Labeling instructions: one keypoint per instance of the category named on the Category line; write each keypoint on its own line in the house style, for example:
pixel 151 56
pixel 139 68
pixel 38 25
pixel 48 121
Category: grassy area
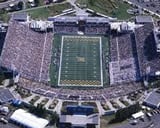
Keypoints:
pixel 89 104
pixel 41 2
pixel 4 16
pixel 113 8
pixel 80 63
pixel 65 104
pixel 84 67
pixel 32 101
pixel 53 104
pixel 114 104
pixel 93 104
pixel 45 12
pixel 22 92
pixel 134 96
pixel 54 68
pixel 105 106
pixel 44 101
pixel 124 102
pixel 121 11
pixel 104 120
pixel 81 2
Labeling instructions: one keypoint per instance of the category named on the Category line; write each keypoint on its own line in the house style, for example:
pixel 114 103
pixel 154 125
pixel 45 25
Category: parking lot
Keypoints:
pixel 7 125
pixel 152 6
pixel 146 122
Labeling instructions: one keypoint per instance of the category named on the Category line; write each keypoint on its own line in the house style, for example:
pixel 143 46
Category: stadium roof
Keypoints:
pixel 77 18
pixel 27 119
pixel 144 19
pixel 42 25
pixel 153 99
pixel 79 119
pixel 5 95
pixel 20 16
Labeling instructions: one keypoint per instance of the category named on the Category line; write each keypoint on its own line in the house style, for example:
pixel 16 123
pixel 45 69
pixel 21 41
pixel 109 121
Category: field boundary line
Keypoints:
pixel 59 76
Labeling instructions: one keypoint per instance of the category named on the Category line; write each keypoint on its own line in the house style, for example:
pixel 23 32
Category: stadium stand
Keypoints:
pixel 2 39
pixel 87 25
pixel 146 48
pixel 84 94
pixel 28 51
pixel 122 66
pixel 5 96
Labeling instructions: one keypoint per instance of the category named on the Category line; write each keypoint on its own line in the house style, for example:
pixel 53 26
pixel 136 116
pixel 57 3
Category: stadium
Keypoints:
pixel 75 51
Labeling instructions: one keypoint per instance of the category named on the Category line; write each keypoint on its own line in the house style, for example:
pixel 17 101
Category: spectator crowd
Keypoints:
pixel 27 51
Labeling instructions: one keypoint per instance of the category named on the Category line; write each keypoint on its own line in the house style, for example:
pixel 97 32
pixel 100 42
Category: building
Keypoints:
pixel 6 96
pixel 41 26
pixel 21 17
pixel 28 120
pixel 79 117
pixel 87 25
pixel 153 99
pixel 79 121
pixel 144 19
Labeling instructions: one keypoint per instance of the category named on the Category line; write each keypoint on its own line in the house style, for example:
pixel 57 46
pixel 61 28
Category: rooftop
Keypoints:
pixel 153 98
pixel 5 95
pixel 144 19
pixel 27 119
pixel 20 16
pixel 77 18
pixel 79 119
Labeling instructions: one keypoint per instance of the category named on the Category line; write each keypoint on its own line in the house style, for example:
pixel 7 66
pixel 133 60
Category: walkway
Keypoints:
pixel 79 11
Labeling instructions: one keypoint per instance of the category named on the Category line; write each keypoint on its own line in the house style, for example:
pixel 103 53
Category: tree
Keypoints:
pixel 124 113
pixel 54 118
pixel 91 2
pixel 150 47
pixel 20 5
pixel 39 110
pixel 2 77
pixel 36 2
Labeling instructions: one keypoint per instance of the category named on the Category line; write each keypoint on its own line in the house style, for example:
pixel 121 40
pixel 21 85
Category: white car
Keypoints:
pixel 3 120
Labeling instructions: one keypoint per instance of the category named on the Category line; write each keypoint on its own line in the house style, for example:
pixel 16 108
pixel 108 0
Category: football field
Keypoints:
pixel 80 61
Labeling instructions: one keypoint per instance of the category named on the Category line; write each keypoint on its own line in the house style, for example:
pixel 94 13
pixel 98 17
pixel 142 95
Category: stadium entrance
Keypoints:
pixel 81 25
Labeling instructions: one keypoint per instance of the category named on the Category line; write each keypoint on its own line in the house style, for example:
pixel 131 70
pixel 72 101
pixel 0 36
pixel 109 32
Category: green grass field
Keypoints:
pixel 80 61
pixel 45 12
pixel 80 56
pixel 113 8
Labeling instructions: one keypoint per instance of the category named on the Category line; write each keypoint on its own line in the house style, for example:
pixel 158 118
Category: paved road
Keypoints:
pixel 79 11
pixel 153 123
pixel 29 9
pixel 5 4
pixel 9 125
pixel 151 9
pixel 153 6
